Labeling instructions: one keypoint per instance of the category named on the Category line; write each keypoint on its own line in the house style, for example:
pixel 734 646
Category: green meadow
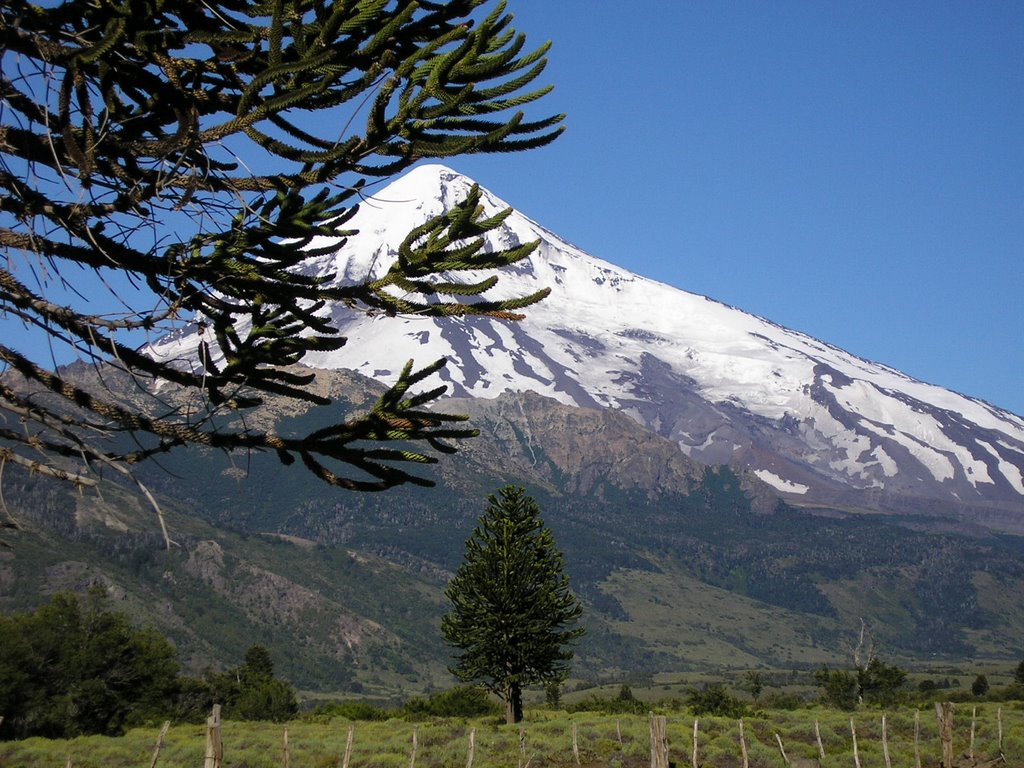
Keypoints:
pixel 546 738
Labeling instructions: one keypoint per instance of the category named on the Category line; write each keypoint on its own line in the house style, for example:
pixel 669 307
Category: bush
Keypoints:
pixel 879 682
pixel 624 703
pixel 1014 692
pixel 781 700
pixel 265 699
pixel 840 687
pixel 980 685
pixel 715 700
pixel 460 701
pixel 252 692
pixel 73 668
pixel 349 710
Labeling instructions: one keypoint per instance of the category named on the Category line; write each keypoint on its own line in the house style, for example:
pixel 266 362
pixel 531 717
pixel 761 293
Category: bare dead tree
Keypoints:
pixel 863 653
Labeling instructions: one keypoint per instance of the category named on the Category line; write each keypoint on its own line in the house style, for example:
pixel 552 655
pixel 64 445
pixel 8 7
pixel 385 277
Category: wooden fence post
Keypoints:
pixel 817 737
pixel 856 754
pixel 917 738
pixel 782 750
pixel 472 747
pixel 522 747
pixel 412 759
pixel 575 746
pixel 693 762
pixel 214 745
pixel 284 749
pixel 944 714
pixel 885 744
pixel 974 723
pixel 159 743
pixel 348 746
pixel 998 721
pixel 743 747
pixel 659 741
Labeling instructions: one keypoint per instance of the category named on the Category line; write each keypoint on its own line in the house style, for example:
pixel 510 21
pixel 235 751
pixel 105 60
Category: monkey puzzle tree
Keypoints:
pixel 512 612
pixel 165 163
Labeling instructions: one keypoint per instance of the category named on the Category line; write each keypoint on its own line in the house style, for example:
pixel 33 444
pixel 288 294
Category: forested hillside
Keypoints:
pixel 679 567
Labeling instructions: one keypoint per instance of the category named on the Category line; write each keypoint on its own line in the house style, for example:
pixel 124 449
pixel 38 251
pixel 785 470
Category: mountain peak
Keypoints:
pixel 815 422
pixel 424 182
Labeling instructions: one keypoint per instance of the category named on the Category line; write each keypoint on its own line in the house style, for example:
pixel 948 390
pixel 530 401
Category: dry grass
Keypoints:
pixel 543 741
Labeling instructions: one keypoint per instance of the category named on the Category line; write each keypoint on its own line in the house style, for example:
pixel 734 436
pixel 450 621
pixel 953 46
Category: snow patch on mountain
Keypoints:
pixel 779 484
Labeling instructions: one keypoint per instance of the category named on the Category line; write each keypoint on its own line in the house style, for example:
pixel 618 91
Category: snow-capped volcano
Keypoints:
pixel 815 422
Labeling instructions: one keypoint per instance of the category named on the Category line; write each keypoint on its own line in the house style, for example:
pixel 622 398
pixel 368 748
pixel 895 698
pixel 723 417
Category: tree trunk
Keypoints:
pixel 513 703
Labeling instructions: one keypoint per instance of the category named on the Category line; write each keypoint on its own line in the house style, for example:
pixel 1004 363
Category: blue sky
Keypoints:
pixel 852 170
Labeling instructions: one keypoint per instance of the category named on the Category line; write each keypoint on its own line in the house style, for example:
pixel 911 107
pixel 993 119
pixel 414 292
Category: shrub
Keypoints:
pixel 460 701
pixel 781 700
pixel 879 682
pixel 349 710
pixel 840 687
pixel 980 685
pixel 252 692
pixel 714 699
pixel 76 667
pixel 620 705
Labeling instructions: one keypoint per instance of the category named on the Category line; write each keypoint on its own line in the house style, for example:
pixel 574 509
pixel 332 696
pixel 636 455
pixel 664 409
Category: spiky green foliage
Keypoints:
pixel 513 613
pixel 184 156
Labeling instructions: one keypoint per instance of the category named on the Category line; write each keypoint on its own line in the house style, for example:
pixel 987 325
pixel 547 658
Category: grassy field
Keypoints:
pixel 703 626
pixel 545 739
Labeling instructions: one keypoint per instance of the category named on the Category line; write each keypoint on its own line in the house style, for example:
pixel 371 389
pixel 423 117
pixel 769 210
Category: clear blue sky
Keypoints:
pixel 853 170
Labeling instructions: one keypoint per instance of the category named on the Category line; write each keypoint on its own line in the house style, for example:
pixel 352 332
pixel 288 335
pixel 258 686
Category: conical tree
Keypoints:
pixel 513 613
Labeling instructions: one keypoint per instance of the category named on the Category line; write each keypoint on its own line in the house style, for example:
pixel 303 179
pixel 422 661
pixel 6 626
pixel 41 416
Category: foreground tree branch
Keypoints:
pixel 171 163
